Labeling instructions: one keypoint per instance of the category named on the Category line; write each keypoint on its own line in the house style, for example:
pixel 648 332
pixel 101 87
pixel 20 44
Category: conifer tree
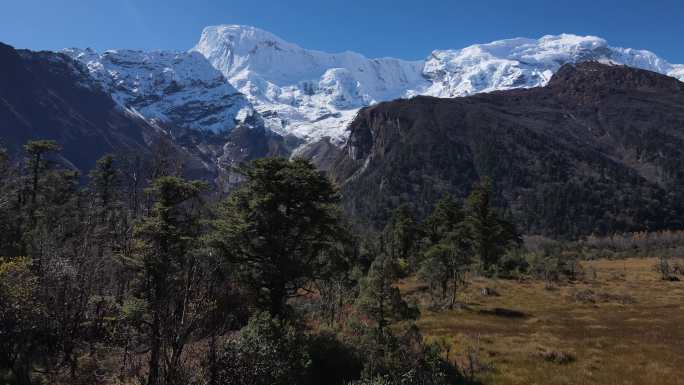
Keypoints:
pixel 489 234
pixel 378 299
pixel 279 229
pixel 402 235
pixel 171 278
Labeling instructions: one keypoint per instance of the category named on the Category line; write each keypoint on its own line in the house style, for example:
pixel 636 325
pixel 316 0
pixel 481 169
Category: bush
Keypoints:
pixel 557 357
pixel 267 351
pixel 403 358
pixel 513 263
pixel 663 268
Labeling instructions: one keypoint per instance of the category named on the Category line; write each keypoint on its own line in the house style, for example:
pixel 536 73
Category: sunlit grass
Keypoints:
pixel 629 330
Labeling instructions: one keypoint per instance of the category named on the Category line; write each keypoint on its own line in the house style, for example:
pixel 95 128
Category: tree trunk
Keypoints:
pixel 155 351
pixel 277 300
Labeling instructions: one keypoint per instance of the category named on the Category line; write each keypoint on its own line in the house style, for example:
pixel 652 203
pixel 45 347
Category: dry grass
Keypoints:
pixel 626 327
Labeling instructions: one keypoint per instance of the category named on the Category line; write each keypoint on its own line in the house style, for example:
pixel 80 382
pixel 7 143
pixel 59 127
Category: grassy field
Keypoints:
pixel 621 325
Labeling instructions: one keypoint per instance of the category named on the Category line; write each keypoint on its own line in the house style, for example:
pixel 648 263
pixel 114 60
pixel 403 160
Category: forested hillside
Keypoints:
pixel 599 150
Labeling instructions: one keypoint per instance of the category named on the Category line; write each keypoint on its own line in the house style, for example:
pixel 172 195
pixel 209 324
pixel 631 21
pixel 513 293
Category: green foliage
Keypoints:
pixel 37 152
pixel 404 358
pixel 402 233
pixel 105 181
pixel 127 288
pixel 173 276
pixel 23 335
pixel 446 265
pixel 268 351
pixel 280 230
pixel 490 235
pixel 379 300
pixel 445 219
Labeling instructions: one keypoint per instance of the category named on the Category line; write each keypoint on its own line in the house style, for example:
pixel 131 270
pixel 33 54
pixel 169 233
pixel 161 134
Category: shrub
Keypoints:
pixel 268 351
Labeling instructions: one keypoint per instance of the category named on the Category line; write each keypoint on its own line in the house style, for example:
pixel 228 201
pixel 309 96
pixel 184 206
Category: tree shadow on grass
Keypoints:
pixel 501 312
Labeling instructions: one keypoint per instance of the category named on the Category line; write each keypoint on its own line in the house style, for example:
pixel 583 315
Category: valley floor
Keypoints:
pixel 620 325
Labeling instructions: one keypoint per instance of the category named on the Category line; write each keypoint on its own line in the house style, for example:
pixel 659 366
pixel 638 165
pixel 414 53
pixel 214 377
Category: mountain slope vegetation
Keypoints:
pixel 598 150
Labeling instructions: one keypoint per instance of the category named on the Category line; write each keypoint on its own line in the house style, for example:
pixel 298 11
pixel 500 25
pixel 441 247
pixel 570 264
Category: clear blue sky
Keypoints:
pixel 399 28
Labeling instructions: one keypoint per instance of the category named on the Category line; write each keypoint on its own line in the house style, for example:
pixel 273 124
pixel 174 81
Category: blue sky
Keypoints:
pixel 399 28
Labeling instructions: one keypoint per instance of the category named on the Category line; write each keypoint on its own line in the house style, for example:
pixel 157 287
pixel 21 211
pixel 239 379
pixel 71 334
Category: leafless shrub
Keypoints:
pixel 557 357
pixel 663 268
pixel 473 363
pixel 590 296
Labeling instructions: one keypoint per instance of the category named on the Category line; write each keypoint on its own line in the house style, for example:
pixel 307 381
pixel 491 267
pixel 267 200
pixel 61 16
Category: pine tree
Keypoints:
pixel 378 299
pixel 444 219
pixel 37 162
pixel 402 234
pixel 105 182
pixel 279 229
pixel 446 264
pixel 171 278
pixel 489 234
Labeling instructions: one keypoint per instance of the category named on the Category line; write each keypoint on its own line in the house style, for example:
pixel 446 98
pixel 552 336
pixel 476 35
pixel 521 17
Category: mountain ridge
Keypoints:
pixel 311 94
pixel 322 95
pixel 600 150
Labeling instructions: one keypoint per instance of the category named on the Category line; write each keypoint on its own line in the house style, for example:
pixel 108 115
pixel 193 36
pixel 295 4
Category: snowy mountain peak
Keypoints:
pixel 521 62
pixel 236 73
pixel 308 93
pixel 312 94
pixel 167 88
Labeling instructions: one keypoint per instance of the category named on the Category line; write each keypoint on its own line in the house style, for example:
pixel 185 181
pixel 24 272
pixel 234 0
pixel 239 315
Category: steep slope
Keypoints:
pixel 187 99
pixel 49 96
pixel 600 149
pixel 169 88
pixel 308 93
pixel 312 94
pixel 128 108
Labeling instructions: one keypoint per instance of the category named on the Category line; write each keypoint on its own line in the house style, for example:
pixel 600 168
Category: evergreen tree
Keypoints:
pixel 171 277
pixel 490 235
pixel 402 234
pixel 105 182
pixel 268 351
pixel 378 299
pixel 446 264
pixel 279 229
pixel 37 162
pixel 445 218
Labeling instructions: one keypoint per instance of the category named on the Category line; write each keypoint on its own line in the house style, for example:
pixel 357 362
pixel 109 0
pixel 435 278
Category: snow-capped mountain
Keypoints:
pixel 240 73
pixel 168 88
pixel 517 63
pixel 313 94
pixel 307 93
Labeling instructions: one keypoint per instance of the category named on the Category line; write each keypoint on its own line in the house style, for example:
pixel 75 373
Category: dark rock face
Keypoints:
pixel 322 153
pixel 48 96
pixel 244 144
pixel 599 150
